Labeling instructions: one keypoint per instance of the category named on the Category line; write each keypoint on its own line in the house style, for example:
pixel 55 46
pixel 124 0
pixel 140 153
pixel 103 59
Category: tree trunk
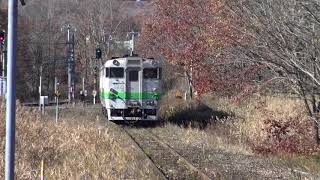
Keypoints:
pixel 311 113
pixel 189 78
pixel 316 128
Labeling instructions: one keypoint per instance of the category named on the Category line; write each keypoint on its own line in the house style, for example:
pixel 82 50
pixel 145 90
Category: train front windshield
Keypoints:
pixel 117 72
pixel 151 73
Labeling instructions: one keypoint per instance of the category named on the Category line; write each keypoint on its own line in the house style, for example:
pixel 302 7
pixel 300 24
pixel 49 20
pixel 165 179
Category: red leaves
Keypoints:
pixel 289 136
pixel 186 32
pixel 292 135
pixel 179 30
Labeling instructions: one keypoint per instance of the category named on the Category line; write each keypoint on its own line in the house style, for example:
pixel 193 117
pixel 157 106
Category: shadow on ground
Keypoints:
pixel 142 124
pixel 199 116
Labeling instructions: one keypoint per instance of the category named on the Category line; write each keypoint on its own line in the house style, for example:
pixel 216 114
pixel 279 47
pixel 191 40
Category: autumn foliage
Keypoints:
pixel 186 33
pixel 286 134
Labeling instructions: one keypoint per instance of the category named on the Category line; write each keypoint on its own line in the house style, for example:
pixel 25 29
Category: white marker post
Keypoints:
pixel 94 93
pixel 57 110
pixel 40 87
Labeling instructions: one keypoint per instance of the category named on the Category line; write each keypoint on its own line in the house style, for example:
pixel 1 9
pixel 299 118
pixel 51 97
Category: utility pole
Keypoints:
pixel 71 65
pixel 11 89
pixel 73 73
pixel 86 55
pixel 40 87
pixel 57 94
pixel 132 42
pixel 83 84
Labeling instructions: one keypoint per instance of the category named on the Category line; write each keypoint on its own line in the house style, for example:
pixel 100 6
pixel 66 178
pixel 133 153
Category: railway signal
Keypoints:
pixel 2 36
pixel 3 54
pixel 98 53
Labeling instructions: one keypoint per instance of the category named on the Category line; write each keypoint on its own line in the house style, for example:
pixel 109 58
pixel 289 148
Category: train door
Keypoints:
pixel 133 94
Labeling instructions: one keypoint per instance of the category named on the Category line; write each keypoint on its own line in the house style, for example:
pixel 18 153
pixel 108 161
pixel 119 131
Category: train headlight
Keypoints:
pixel 154 62
pixel 115 62
pixel 155 102
pixel 148 103
pixel 151 103
pixel 133 103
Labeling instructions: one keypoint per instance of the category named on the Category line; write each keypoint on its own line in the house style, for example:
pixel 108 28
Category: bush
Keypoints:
pixel 291 135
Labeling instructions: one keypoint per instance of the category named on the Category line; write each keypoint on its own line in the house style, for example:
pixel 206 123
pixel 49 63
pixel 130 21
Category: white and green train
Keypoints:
pixel 130 88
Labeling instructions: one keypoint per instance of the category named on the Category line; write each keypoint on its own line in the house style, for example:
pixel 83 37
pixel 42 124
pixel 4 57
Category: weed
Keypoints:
pixel 72 149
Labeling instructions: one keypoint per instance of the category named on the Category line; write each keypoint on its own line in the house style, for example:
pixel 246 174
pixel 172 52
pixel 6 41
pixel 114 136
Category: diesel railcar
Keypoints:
pixel 130 88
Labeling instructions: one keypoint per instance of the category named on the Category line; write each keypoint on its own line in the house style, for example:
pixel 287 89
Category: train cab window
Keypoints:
pixel 116 72
pixel 107 72
pixel 133 76
pixel 150 73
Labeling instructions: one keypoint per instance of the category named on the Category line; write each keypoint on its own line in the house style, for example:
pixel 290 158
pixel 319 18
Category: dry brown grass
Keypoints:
pixel 249 116
pixel 71 149
pixel 248 124
pixel 195 137
pixel 199 122
pixel 232 125
pixel 240 130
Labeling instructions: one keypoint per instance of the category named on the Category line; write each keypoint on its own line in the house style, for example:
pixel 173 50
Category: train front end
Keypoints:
pixel 130 89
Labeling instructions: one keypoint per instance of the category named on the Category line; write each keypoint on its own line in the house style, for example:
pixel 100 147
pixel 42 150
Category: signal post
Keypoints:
pixel 3 54
pixel 98 57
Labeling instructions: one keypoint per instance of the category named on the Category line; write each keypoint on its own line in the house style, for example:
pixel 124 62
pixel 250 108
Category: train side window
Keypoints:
pixel 107 72
pixel 133 76
pixel 116 72
pixel 150 73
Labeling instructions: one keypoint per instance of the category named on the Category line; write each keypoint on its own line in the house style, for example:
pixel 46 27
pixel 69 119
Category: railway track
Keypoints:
pixel 170 163
pixel 174 166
